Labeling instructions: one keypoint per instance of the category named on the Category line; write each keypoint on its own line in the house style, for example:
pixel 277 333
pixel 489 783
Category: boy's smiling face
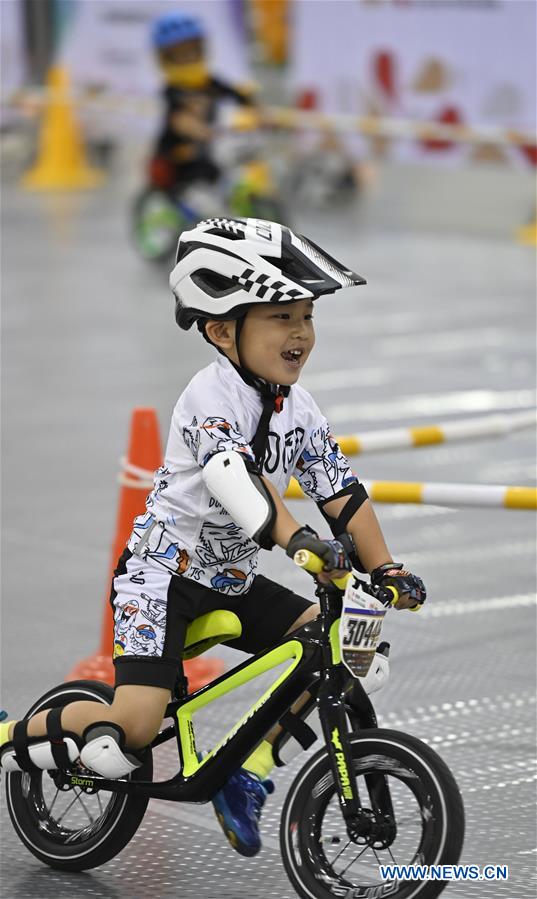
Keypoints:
pixel 275 340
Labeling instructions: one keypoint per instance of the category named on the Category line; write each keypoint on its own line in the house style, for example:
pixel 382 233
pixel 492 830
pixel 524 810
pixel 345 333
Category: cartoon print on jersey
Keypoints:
pixel 174 559
pixel 191 436
pixel 285 455
pixel 160 484
pixel 223 436
pixel 143 639
pixel 125 615
pixel 158 547
pixel 195 574
pixel 154 610
pixel 322 456
pixel 138 577
pixel 142 523
pixel 119 647
pixel 223 544
pixel 160 487
pixel 231 580
pixel 220 429
pixel 140 627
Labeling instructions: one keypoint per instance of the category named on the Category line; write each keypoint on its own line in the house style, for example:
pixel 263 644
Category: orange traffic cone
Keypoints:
pixel 145 454
pixel 61 162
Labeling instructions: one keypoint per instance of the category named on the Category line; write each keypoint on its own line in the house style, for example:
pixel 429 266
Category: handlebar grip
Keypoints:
pixel 395 598
pixel 304 559
pixel 312 563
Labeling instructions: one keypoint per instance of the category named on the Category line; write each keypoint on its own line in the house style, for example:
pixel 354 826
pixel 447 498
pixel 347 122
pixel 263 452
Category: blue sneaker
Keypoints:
pixel 238 808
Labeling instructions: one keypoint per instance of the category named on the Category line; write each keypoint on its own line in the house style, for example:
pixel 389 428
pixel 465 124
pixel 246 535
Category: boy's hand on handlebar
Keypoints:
pixel 331 552
pixel 410 588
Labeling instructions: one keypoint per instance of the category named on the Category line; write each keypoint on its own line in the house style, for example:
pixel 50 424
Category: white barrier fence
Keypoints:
pixel 32 100
pixel 426 435
pixel 394 491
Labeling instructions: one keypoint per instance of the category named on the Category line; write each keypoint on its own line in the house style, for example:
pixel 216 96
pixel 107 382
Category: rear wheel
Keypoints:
pixel 66 826
pixel 426 827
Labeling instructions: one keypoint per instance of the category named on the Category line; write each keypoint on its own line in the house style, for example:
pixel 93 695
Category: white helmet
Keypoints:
pixel 224 266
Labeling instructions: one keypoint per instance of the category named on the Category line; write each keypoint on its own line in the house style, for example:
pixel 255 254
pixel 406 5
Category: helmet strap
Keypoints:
pixel 272 398
pixel 272 395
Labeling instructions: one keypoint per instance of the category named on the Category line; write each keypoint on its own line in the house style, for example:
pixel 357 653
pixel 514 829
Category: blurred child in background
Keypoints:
pixel 191 94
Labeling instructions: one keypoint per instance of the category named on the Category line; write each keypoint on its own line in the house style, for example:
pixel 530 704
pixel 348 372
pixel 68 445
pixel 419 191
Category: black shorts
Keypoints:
pixel 153 607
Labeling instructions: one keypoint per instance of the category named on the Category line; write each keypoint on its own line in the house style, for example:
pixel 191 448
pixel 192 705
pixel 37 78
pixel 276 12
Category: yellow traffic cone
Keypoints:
pixel 61 160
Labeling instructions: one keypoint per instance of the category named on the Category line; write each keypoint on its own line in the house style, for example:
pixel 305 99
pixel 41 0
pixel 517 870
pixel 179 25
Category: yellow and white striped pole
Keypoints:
pixel 410 129
pixel 441 494
pixel 426 435
pixel 395 491
pixel 30 99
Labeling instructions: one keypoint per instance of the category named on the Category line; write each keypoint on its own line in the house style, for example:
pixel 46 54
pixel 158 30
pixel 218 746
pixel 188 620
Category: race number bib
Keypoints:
pixel 359 628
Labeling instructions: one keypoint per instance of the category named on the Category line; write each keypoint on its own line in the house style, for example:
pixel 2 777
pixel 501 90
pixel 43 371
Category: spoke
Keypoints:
pixel 91 820
pixel 76 799
pixel 66 810
pixel 355 859
pixel 334 860
pixel 53 801
pixel 375 853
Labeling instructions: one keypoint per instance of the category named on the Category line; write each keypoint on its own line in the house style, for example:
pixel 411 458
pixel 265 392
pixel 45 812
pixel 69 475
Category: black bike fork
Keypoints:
pixel 362 716
pixel 331 702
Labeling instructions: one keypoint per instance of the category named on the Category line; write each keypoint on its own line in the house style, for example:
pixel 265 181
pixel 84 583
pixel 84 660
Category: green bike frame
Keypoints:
pixel 313 657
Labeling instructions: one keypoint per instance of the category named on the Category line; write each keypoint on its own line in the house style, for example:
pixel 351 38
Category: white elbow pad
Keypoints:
pixel 243 494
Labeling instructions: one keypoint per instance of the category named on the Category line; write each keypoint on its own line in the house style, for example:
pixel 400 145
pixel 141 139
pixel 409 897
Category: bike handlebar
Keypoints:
pixel 307 560
pixel 312 563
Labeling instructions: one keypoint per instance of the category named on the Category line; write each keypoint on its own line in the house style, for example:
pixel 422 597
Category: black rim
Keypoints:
pixel 66 816
pixel 321 836
pixel 63 813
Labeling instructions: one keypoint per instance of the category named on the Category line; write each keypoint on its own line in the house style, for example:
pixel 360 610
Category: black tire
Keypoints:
pixel 156 225
pixel 312 824
pixel 90 843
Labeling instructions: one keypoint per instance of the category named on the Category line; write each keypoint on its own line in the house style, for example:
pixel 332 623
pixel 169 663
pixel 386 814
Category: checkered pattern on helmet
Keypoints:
pixel 266 288
pixel 226 225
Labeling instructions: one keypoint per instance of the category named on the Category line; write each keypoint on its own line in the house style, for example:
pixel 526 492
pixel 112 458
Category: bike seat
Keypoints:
pixel 208 630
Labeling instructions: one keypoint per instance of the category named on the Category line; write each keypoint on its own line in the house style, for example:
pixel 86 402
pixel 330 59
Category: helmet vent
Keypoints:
pixel 215 284
pixel 229 235
pixel 292 267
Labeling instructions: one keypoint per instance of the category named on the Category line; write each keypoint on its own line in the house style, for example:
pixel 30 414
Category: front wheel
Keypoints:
pixel 65 826
pixel 157 221
pixel 427 826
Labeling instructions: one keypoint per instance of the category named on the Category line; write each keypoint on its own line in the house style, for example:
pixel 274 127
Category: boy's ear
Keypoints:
pixel 222 334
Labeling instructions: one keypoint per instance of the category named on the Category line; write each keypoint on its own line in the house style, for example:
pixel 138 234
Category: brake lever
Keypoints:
pixel 388 596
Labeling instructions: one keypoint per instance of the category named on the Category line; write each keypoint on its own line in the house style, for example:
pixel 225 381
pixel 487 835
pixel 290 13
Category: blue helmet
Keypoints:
pixel 174 28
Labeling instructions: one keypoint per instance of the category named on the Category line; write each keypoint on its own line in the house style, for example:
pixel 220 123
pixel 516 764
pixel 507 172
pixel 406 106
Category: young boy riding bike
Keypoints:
pixel 241 428
pixel 182 154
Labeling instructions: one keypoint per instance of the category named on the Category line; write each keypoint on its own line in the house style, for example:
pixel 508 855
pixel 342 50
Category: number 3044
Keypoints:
pixel 362 634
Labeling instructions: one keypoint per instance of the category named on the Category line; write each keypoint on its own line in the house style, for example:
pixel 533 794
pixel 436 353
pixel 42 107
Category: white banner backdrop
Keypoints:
pixel 456 61
pixel 106 45
pixel 12 49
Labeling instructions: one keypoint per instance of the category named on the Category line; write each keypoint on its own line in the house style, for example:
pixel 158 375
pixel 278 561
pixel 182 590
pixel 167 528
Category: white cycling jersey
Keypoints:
pixel 185 529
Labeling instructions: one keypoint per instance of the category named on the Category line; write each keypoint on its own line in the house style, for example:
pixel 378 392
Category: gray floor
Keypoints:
pixel 445 329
